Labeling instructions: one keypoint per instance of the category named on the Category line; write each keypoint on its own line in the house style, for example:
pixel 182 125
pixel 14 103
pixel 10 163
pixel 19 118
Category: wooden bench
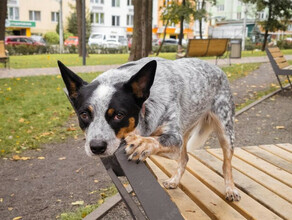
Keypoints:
pixel 279 64
pixel 206 47
pixel 263 175
pixel 4 58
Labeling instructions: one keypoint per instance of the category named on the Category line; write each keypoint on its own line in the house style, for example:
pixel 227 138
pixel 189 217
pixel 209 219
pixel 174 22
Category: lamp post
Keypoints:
pixel 61 40
pixel 83 34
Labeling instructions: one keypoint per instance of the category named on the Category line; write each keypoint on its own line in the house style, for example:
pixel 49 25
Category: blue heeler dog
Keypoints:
pixel 156 106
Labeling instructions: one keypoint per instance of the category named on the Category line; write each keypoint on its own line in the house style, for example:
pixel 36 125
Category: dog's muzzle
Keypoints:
pixel 97 147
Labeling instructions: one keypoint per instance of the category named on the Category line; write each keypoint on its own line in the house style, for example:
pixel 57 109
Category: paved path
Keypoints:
pixel 5 73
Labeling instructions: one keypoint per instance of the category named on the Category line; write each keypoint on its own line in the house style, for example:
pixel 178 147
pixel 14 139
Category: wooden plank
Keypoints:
pixel 269 157
pixel 187 207
pixel 278 152
pixel 281 60
pixel 247 206
pixel 269 199
pixel 264 166
pixel 210 202
pixel 274 49
pixel 277 54
pixel 269 182
pixel 286 146
pixel 283 65
pixel 147 189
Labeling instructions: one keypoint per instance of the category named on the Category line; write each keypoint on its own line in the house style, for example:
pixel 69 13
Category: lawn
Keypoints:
pixel 50 60
pixel 34 110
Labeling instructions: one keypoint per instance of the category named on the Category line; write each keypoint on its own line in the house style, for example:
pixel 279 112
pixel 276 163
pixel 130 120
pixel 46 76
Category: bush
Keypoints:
pixel 165 48
pixel 52 38
pixel 284 44
pixel 67 34
pixel 26 49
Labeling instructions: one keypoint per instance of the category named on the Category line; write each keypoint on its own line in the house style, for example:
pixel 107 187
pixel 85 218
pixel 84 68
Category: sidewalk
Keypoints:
pixel 9 73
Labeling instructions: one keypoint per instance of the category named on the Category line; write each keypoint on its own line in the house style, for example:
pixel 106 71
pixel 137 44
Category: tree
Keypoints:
pixel 181 33
pixel 279 13
pixel 3 13
pixel 142 33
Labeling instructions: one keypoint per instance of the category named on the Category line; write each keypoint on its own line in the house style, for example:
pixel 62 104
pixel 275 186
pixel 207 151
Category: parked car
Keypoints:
pixel 39 39
pixel 18 40
pixel 71 41
pixel 169 41
pixel 112 43
pixel 96 39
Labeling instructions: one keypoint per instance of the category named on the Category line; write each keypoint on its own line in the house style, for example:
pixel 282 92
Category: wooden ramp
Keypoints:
pixel 263 175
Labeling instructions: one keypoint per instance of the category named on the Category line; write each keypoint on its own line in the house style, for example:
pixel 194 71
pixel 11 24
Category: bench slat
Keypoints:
pixel 278 152
pixel 277 54
pixel 187 207
pixel 274 49
pixel 283 65
pixel 272 184
pixel 260 193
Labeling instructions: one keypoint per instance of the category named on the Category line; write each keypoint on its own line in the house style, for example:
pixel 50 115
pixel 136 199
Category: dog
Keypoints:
pixel 156 107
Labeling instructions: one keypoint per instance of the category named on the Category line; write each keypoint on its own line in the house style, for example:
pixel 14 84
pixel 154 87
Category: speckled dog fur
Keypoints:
pixel 188 100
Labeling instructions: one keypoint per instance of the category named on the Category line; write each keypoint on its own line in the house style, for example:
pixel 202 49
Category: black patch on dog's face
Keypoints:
pixel 123 112
pixel 83 109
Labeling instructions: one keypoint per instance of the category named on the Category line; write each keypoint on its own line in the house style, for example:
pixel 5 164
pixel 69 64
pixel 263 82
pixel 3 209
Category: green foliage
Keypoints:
pixel 52 38
pixel 283 44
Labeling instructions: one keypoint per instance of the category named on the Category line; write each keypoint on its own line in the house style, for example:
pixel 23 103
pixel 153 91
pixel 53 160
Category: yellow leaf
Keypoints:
pixel 17 218
pixel 96 181
pixel 71 129
pixel 9 89
pixel 59 76
pixel 100 201
pixel 15 157
pixel 78 203
pixel 1 200
pixel 10 208
pixel 62 158
pixel 280 127
pixel 18 78
pixel 41 158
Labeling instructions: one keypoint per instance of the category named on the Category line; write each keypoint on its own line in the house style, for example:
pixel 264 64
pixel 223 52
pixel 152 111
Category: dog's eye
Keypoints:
pixel 119 116
pixel 84 116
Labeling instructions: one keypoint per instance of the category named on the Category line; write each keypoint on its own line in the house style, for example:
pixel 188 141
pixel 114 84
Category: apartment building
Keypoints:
pixel 26 17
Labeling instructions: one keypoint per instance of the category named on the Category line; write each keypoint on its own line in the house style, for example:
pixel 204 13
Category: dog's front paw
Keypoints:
pixel 139 148
pixel 232 194
pixel 171 183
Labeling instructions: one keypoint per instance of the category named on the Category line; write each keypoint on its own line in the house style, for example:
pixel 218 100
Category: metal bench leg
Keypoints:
pixel 289 81
pixel 280 82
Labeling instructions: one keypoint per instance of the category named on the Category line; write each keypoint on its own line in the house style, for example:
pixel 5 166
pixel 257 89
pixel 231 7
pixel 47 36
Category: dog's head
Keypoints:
pixel 107 113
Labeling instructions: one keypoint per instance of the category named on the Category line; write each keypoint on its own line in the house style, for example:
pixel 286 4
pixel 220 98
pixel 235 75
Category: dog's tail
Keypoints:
pixel 200 133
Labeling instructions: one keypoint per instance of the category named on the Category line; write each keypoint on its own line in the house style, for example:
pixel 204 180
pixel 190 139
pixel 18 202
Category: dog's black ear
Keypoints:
pixel 72 81
pixel 140 83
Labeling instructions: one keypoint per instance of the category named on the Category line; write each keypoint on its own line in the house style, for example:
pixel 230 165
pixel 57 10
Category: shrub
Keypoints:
pixel 165 48
pixel 52 38
pixel 284 44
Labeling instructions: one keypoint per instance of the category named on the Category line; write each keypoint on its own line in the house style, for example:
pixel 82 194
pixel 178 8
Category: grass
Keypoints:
pixel 34 110
pixel 83 211
pixel 50 60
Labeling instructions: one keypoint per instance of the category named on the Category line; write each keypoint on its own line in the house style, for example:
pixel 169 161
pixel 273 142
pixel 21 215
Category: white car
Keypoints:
pixel 112 43
pixel 96 39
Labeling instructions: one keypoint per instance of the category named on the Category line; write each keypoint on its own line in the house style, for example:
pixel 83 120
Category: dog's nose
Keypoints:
pixel 97 147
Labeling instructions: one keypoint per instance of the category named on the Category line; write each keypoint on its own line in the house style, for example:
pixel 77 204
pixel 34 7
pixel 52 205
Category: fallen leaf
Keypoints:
pixel 77 171
pixel 78 203
pixel 62 158
pixel 15 157
pixel 21 120
pixel 17 218
pixel 100 201
pixel 71 129
pixel 1 200
pixel 280 127
pixel 96 181
pixel 95 191
pixel 103 195
pixel 41 158
pixel 10 208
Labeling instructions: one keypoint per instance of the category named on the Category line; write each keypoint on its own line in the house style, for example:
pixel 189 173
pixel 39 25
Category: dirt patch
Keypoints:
pixel 45 186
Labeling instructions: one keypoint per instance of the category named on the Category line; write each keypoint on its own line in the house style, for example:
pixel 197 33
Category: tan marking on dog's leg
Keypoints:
pixel 230 192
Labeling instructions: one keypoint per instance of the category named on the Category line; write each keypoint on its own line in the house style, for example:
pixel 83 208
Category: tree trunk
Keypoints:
pixel 3 12
pixel 144 21
pixel 164 34
pixel 201 20
pixel 149 27
pixel 181 33
pixel 136 48
pixel 266 28
pixel 79 25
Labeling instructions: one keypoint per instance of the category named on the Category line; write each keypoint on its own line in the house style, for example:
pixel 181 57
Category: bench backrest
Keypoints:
pixel 206 47
pixel 2 49
pixel 278 57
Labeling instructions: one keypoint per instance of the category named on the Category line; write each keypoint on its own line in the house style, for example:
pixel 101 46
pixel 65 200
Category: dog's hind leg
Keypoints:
pixel 223 119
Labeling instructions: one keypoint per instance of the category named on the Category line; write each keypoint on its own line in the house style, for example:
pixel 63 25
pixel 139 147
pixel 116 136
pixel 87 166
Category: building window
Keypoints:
pixel 97 18
pixel 55 16
pixel 220 7
pixel 238 15
pixel 115 3
pixel 34 15
pixel 97 1
pixel 130 2
pixel 115 20
pixel 13 13
pixel 130 19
